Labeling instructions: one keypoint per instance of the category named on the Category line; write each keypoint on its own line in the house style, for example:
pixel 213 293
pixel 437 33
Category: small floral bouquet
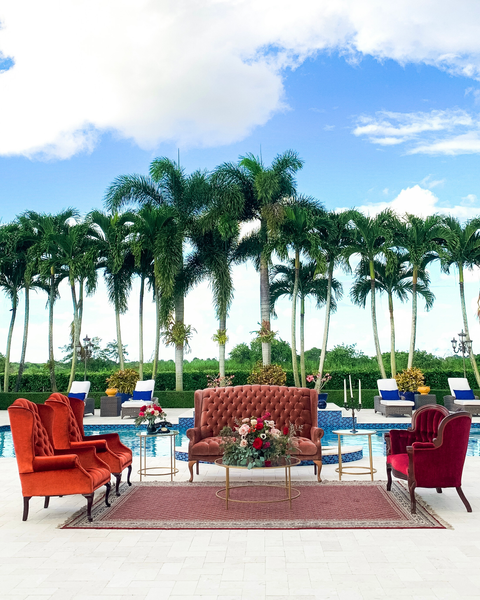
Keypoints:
pixel 150 415
pixel 316 378
pixel 256 442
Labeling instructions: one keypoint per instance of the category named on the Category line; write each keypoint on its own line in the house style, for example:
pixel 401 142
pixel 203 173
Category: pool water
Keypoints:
pixel 160 446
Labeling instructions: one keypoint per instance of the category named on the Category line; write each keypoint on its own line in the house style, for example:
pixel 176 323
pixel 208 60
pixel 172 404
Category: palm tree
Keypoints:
pixel 111 233
pixel 77 252
pixel 263 194
pixel 309 284
pixel 420 238
pixel 395 279
pixel 153 227
pixel 335 233
pixel 49 263
pixel 187 195
pixel 296 233
pixel 461 248
pixel 370 240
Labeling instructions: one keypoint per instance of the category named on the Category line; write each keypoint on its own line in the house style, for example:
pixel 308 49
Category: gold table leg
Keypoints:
pixel 370 453
pixel 339 457
pixel 227 484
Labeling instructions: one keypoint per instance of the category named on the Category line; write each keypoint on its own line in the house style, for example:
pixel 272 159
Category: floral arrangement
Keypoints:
pixel 409 379
pixel 256 442
pixel 319 381
pixel 150 414
pixel 219 381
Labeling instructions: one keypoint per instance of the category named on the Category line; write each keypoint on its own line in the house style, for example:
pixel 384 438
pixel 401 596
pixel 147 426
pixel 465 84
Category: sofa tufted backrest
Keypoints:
pixel 217 407
pixel 64 417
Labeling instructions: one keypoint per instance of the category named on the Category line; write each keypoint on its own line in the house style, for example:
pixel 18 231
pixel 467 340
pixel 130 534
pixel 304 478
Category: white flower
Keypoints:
pixel 253 422
pixel 156 413
pixel 275 432
pixel 243 443
pixel 263 436
pixel 244 429
pixel 245 420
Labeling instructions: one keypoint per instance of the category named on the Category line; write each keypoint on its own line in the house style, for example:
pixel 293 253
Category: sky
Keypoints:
pixel 381 101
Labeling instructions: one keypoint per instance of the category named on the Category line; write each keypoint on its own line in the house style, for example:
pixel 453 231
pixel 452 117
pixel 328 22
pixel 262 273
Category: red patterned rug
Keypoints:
pixel 327 505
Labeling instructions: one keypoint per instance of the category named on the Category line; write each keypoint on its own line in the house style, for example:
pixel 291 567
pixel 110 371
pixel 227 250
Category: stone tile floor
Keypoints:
pixel 38 561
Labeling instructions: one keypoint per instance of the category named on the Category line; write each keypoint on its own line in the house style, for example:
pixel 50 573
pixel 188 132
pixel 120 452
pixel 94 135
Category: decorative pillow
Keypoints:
pixel 389 394
pixel 464 394
pixel 410 396
pixel 78 395
pixel 147 395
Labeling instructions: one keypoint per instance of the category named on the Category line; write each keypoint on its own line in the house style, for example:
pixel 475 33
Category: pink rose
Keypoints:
pixel 141 414
pixel 310 378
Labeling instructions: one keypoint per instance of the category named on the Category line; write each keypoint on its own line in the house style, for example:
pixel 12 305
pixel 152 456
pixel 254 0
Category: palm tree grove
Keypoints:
pixel 171 230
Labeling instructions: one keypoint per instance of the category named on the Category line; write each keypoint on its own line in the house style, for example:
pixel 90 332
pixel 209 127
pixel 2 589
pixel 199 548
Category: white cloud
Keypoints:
pixel 431 183
pixel 196 72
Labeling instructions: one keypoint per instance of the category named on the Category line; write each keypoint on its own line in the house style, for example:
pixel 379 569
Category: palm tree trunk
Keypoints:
pixel 140 328
pixel 222 325
pixel 326 326
pixel 51 359
pixel 119 340
pixel 179 348
pixel 76 334
pixel 374 322
pixel 265 308
pixel 302 341
pixel 293 327
pixel 25 337
pixel 465 322
pixel 414 318
pixel 393 366
pixel 157 333
pixel 80 307
pixel 9 343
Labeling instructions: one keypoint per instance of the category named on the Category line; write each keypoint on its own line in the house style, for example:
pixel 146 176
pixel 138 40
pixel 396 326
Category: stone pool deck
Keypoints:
pixel 38 561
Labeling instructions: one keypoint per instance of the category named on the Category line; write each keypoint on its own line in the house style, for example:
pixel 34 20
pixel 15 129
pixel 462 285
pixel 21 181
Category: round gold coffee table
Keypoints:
pixel 155 471
pixel 281 464
pixel 355 469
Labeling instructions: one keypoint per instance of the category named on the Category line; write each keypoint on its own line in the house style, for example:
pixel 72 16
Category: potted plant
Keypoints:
pixel 408 382
pixel 125 382
pixel 322 398
pixel 267 375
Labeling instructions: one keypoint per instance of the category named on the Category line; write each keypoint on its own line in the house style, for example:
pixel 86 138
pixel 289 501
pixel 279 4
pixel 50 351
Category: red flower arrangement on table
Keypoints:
pixel 150 414
pixel 256 442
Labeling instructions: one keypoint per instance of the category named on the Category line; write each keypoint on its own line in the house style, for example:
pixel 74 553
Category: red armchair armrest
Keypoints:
pixel 87 456
pixel 399 440
pixel 98 445
pixel 112 439
pixel 423 445
pixel 316 435
pixel 55 463
pixel 194 435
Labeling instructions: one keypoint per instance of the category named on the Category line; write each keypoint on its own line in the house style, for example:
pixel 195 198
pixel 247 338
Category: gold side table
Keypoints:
pixel 355 469
pixel 155 471
pixel 281 464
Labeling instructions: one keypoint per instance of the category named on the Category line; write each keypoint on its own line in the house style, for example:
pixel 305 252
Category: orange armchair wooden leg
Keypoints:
pixel 26 500
pixel 47 502
pixel 128 475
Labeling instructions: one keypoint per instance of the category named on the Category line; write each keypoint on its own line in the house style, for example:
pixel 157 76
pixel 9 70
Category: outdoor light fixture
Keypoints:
pixel 87 352
pixel 464 345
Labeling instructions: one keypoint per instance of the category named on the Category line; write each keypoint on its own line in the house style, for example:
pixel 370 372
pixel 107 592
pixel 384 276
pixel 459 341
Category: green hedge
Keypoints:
pixel 197 380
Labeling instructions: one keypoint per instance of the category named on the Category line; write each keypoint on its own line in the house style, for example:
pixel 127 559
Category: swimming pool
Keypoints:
pixel 159 446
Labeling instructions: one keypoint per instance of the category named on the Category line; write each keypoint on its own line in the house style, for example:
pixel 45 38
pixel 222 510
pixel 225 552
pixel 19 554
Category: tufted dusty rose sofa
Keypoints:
pixel 217 407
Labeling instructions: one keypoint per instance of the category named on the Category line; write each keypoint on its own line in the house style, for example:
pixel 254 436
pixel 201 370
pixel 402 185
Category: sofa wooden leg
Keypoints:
pixel 198 467
pixel 318 464
pixel 463 499
pixel 89 498
pixel 190 467
pixel 118 477
pixel 26 500
pixel 128 475
pixel 47 502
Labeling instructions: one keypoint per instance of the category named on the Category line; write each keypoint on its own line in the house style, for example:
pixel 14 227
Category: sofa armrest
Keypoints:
pixel 316 434
pixel 194 435
pixel 55 463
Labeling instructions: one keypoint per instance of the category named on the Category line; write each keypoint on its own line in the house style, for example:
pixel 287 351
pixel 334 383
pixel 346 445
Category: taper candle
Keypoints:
pixel 360 392
pixel 351 390
pixel 345 392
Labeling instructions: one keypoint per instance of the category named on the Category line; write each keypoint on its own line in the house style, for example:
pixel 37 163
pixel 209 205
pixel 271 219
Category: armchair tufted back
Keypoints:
pixel 66 428
pixel 217 407
pixel 427 421
pixel 30 436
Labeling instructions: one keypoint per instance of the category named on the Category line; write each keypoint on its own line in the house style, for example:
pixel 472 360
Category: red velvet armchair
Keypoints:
pixel 48 472
pixel 68 434
pixel 432 453
pixel 217 407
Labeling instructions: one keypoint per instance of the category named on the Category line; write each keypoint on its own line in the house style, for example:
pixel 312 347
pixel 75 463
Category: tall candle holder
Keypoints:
pixel 351 403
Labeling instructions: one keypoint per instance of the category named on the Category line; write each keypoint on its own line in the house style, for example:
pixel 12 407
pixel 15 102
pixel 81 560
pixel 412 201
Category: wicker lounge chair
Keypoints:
pixel 131 408
pixel 391 408
pixel 83 387
pixel 454 404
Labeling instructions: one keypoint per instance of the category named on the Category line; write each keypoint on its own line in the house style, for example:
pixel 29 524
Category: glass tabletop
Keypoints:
pixel 157 434
pixel 279 463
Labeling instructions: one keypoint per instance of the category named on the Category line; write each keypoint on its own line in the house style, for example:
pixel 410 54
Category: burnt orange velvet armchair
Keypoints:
pixel 432 453
pixel 48 472
pixel 68 434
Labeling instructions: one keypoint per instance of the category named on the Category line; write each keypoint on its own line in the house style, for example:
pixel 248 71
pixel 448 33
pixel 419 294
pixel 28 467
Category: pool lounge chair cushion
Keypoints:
pixel 78 395
pixel 389 394
pixel 464 394
pixel 142 395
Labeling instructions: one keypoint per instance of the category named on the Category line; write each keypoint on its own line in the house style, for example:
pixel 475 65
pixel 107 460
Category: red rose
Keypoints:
pixel 266 415
pixel 285 430
pixel 144 407
pixel 259 425
pixel 257 443
pixel 266 445
pixel 141 414
pixel 268 463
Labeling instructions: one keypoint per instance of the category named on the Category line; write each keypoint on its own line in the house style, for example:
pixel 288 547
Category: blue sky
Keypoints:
pixel 381 102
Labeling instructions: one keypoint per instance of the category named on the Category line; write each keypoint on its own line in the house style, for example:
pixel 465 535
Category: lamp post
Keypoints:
pixel 464 345
pixel 87 351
